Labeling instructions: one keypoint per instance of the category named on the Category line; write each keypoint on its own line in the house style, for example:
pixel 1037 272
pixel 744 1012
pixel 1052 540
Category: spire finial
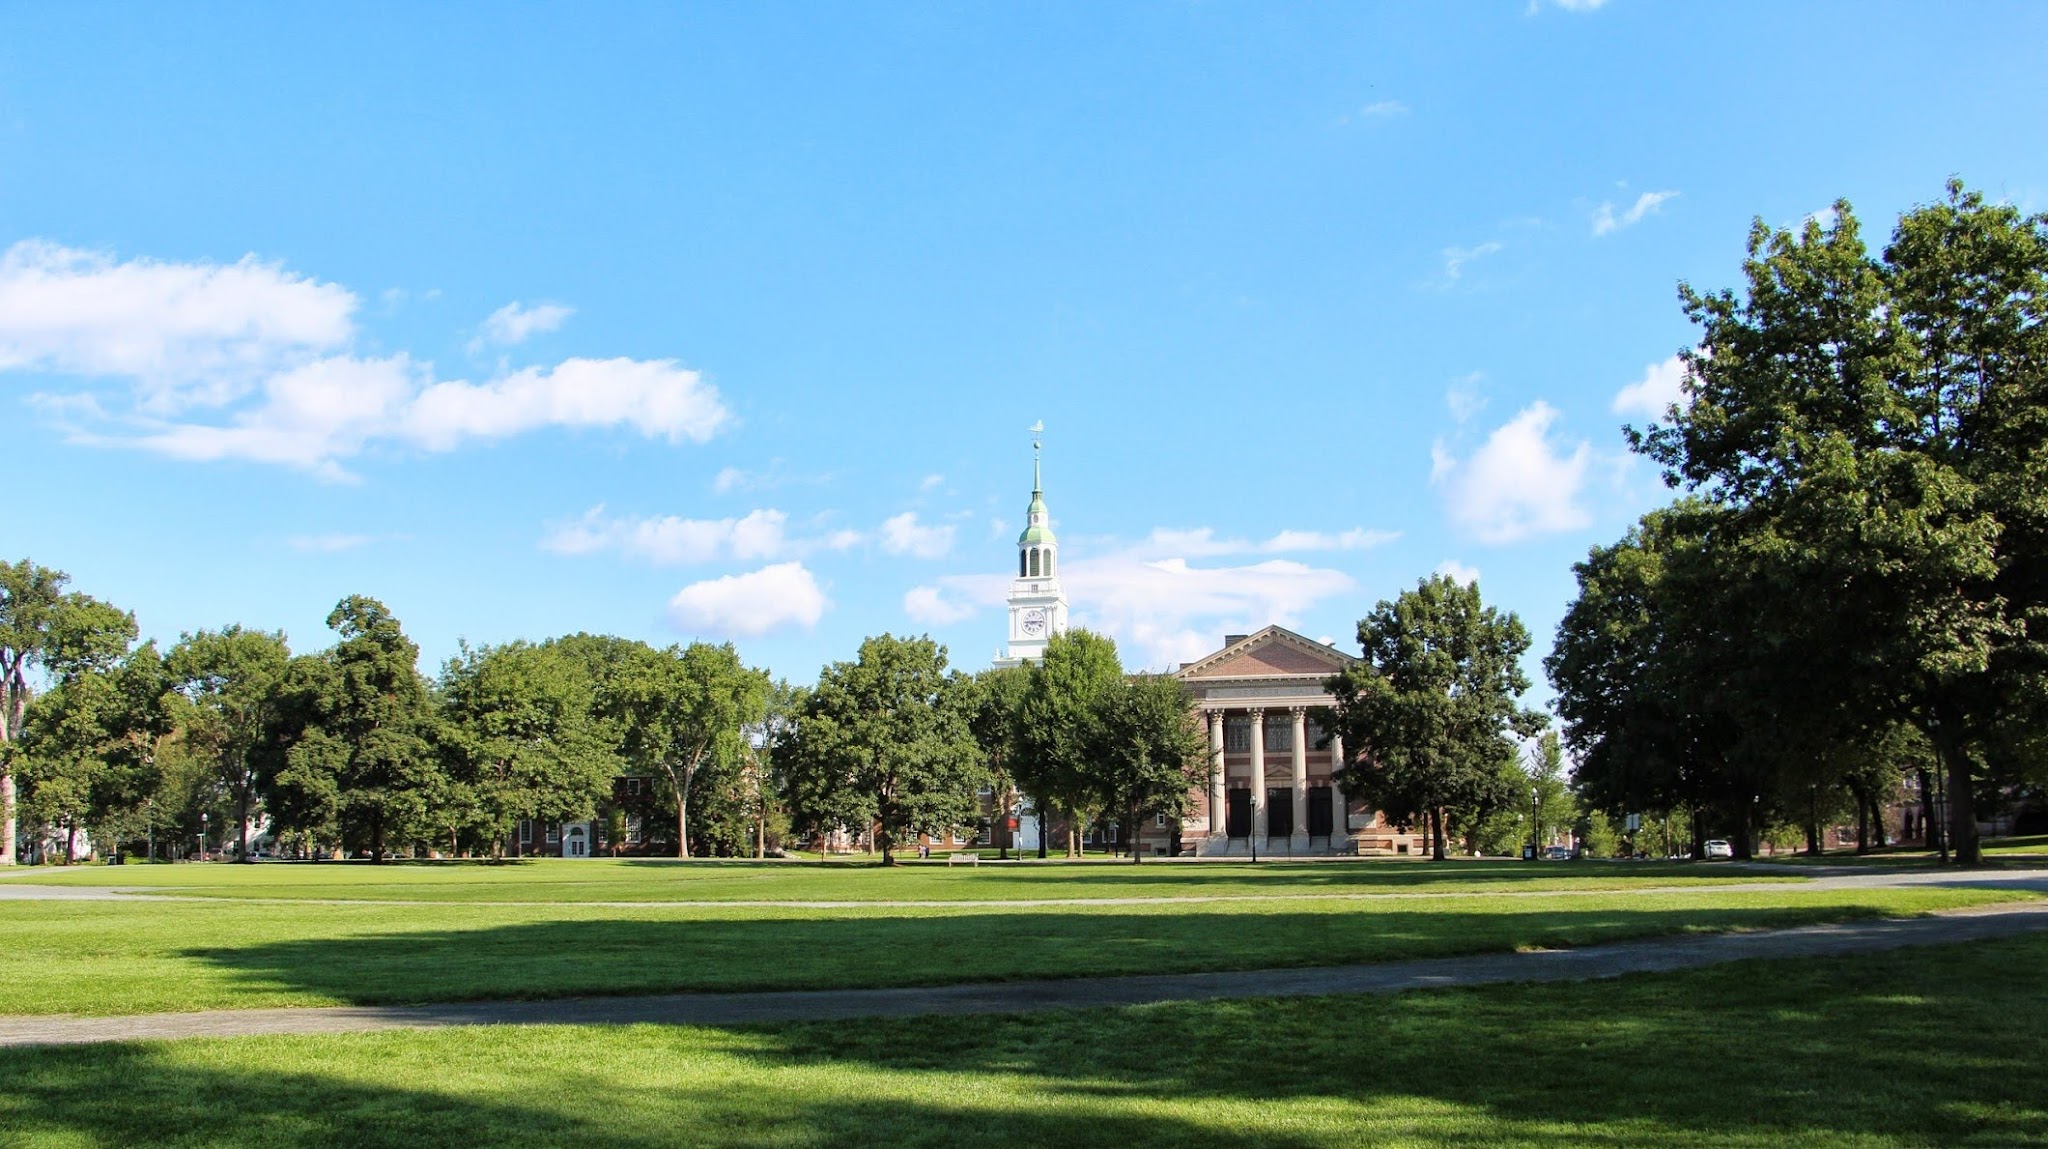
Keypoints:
pixel 1037 445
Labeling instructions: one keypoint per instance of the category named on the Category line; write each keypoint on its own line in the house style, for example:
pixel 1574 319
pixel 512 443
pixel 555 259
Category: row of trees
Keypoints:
pixel 351 749
pixel 1854 586
pixel 893 741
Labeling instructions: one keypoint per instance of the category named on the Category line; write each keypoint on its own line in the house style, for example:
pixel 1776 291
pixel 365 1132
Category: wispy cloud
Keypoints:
pixel 515 323
pixel 1606 222
pixel 1455 258
pixel 328 544
pixel 1458 571
pixel 904 535
pixel 671 540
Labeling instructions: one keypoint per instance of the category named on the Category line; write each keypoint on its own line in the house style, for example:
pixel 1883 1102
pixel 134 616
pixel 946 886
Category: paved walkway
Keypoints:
pixel 1647 956
pixel 1809 879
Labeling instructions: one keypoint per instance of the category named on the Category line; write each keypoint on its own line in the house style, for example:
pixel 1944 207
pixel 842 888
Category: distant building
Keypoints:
pixel 1038 605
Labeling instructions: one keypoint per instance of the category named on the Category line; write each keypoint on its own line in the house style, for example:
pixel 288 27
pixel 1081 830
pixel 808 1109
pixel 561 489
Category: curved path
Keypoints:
pixel 1647 956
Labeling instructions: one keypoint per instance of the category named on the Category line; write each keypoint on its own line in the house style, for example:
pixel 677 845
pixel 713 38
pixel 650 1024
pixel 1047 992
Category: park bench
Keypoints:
pixel 958 856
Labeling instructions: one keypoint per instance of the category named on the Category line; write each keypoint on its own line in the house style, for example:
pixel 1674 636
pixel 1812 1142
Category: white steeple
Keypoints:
pixel 1038 607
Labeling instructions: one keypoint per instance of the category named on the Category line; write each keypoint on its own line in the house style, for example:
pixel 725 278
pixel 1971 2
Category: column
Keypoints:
pixel 1300 764
pixel 1340 825
pixel 1258 775
pixel 1218 808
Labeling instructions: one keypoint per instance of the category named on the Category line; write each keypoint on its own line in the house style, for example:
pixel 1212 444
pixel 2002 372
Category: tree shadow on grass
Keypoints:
pixel 1944 1045
pixel 829 950
pixel 1931 1046
pixel 471 1092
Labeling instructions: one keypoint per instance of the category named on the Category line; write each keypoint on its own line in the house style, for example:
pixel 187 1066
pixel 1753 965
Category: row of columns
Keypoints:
pixel 1217 805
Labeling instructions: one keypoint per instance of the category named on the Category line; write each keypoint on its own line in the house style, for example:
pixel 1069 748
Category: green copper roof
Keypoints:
pixel 1038 529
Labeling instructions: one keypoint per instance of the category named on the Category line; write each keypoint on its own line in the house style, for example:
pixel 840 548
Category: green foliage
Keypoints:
pixel 1434 706
pixel 682 712
pixel 521 739
pixel 1151 757
pixel 1059 727
pixel 886 740
pixel 1872 435
pixel 229 681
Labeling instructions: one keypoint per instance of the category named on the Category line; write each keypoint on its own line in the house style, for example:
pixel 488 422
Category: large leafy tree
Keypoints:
pixel 1879 426
pixel 886 740
pixel 999 694
pixel 1152 758
pixel 522 738
pixel 1434 704
pixel 682 709
pixel 231 679
pixel 89 751
pixel 369 750
pixel 45 631
pixel 1059 730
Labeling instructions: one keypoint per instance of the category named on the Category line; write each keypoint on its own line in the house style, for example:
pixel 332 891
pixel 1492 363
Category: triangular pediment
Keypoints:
pixel 1274 652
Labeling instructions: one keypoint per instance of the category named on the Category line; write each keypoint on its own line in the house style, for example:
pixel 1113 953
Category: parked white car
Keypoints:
pixel 1719 848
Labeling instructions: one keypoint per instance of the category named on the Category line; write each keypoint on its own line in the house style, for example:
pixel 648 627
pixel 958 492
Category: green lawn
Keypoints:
pixel 145 955
pixel 1933 1046
pixel 658 880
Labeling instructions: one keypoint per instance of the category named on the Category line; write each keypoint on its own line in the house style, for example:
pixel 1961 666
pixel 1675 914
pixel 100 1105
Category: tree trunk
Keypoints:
pixel 1962 807
pixel 377 840
pixel 1436 834
pixel 242 819
pixel 1862 822
pixel 1040 811
pixel 6 816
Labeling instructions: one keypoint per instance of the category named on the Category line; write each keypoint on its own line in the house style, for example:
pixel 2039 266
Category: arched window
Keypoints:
pixel 1034 562
pixel 1020 564
pixel 1048 563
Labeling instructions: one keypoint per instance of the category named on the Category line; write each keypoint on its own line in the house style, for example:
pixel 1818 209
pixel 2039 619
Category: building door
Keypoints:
pixel 1280 812
pixel 1319 811
pixel 1237 813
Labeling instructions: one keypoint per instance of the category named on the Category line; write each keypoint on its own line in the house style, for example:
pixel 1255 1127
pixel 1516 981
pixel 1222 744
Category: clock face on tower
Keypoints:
pixel 1034 622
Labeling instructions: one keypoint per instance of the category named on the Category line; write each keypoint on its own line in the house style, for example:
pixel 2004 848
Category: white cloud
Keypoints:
pixel 247 361
pixel 671 540
pixel 1458 571
pixel 1202 542
pixel 1536 6
pixel 514 324
pixel 1606 222
pixel 752 604
pixel 185 332
pixel 1162 608
pixel 658 398
pixel 1455 258
pixel 930 482
pixel 904 535
pixel 1382 109
pixel 931 606
pixel 328 544
pixel 315 415
pixel 1661 387
pixel 1518 483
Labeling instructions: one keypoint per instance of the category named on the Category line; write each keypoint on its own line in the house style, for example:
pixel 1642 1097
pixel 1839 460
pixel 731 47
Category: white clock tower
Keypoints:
pixel 1038 607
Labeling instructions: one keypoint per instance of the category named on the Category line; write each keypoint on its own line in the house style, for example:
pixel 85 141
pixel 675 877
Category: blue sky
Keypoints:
pixel 726 321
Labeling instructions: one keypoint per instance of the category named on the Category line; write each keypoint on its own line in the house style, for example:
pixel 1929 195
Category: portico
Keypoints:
pixel 1271 788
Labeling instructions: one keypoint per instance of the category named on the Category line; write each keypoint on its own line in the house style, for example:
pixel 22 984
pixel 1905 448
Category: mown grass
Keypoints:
pixel 147 955
pixel 662 880
pixel 1931 1046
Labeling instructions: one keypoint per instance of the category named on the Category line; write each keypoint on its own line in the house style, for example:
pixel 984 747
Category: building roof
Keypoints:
pixel 1274 652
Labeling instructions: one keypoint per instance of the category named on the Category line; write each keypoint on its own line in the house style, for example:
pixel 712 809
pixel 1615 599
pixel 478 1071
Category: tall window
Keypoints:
pixel 1034 562
pixel 1237 735
pixel 1048 564
pixel 1021 572
pixel 1279 733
